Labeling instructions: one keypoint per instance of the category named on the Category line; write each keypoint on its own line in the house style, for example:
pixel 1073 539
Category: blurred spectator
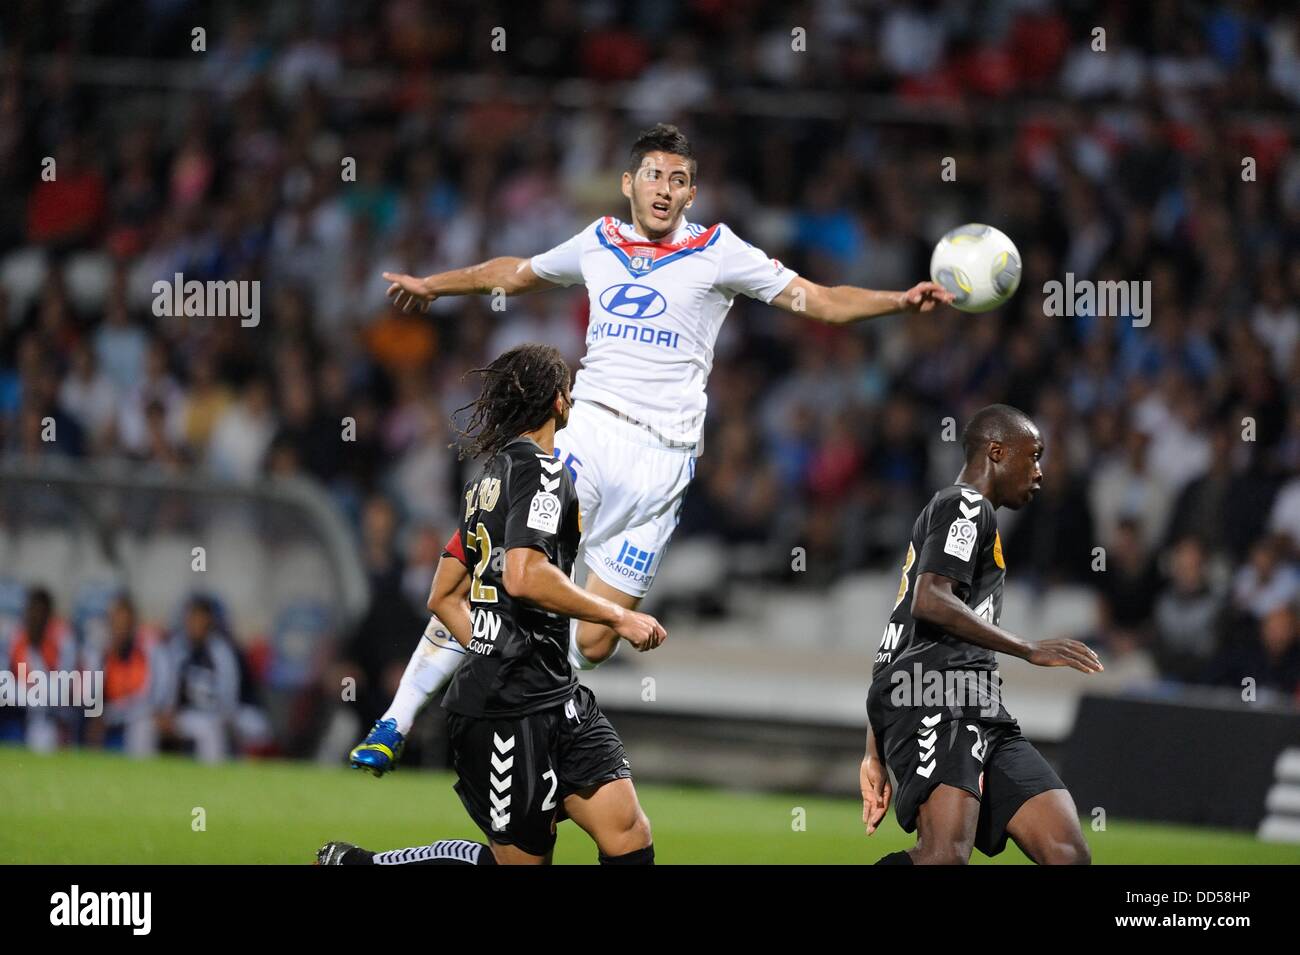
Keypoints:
pixel 43 644
pixel 67 207
pixel 121 347
pixel 88 394
pixel 423 554
pixel 203 687
pixel 1284 520
pixel 1125 490
pixel 132 685
pixel 1227 505
pixel 387 633
pixel 1267 582
pixel 1266 652
pixel 1127 590
pixel 1188 616
pixel 242 435
pixel 156 389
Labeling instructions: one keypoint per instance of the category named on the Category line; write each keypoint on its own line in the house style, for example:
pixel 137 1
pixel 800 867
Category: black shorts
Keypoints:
pixel 990 760
pixel 516 771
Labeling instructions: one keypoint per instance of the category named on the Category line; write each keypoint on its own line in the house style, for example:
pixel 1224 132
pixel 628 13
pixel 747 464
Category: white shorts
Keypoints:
pixel 630 488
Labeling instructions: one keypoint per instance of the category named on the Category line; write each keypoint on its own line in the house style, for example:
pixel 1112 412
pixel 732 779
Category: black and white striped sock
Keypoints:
pixel 443 852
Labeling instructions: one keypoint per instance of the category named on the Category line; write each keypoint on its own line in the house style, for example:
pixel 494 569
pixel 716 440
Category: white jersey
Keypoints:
pixel 656 310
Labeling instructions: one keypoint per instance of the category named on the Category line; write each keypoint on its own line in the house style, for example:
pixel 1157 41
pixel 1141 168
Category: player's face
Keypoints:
pixel 1023 471
pixel 660 191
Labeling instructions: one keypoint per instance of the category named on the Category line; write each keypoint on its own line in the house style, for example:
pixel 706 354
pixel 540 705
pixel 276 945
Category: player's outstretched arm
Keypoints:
pixel 449 598
pixel 844 304
pixel 530 576
pixel 935 602
pixel 514 276
pixel 874 782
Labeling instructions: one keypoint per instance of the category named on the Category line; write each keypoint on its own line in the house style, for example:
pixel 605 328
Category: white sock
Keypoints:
pixel 446 852
pixel 434 661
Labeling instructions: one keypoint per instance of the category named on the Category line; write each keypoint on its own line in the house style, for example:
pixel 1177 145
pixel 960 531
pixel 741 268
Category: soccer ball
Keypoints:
pixel 978 264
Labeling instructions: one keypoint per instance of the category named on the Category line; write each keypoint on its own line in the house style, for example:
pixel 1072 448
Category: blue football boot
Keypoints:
pixel 379 751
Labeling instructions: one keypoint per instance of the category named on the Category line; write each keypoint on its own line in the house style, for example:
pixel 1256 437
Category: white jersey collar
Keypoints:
pixel 681 235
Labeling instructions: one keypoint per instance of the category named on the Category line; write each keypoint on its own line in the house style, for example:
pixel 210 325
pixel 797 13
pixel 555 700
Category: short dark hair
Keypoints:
pixel 662 138
pixel 39 595
pixel 518 391
pixel 993 423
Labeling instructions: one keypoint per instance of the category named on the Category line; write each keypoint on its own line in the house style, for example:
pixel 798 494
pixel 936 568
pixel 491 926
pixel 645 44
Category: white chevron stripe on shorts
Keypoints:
pixel 926 737
pixel 499 781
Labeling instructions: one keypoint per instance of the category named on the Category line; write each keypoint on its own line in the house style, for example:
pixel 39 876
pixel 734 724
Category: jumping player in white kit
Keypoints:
pixel 659 288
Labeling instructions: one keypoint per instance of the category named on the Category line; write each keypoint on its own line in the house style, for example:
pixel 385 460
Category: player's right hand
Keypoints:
pixel 874 782
pixel 641 630
pixel 408 292
pixel 1065 653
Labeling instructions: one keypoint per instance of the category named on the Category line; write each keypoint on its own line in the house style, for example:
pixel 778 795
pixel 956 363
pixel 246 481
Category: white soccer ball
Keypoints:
pixel 977 263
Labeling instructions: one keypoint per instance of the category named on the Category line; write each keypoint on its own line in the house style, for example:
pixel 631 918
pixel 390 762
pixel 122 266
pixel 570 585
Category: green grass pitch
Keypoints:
pixel 81 807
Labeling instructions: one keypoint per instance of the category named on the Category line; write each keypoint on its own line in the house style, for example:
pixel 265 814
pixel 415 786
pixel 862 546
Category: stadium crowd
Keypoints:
pixel 1173 439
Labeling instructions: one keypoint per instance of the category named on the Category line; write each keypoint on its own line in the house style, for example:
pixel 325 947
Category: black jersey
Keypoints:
pixel 955 536
pixel 518 660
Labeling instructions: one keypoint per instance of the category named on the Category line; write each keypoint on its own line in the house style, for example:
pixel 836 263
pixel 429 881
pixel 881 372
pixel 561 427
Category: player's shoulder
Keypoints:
pixel 519 454
pixel 728 236
pixel 529 465
pixel 960 499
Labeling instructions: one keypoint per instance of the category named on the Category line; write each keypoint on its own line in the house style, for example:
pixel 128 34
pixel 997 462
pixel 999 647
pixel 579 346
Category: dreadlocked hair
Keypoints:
pixel 519 388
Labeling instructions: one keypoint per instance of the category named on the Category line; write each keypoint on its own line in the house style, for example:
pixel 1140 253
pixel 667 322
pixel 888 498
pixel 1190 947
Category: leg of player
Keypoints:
pixel 1046 828
pixel 592 643
pixel 611 814
pixel 513 855
pixel 442 852
pixel 945 827
pixel 436 657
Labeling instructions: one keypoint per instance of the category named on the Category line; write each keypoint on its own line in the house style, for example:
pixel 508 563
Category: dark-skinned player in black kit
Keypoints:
pixel 529 744
pixel 965 776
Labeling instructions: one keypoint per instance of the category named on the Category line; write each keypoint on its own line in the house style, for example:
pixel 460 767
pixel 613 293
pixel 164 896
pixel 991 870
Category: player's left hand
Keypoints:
pixel 874 782
pixel 409 292
pixel 924 297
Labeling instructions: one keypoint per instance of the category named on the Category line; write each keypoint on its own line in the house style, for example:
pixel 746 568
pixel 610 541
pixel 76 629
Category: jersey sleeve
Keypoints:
pixel 536 508
pixel 455 548
pixel 747 270
pixel 562 264
pixel 957 531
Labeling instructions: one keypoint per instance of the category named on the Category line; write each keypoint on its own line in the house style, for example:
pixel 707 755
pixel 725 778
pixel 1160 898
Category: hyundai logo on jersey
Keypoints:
pixel 632 301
